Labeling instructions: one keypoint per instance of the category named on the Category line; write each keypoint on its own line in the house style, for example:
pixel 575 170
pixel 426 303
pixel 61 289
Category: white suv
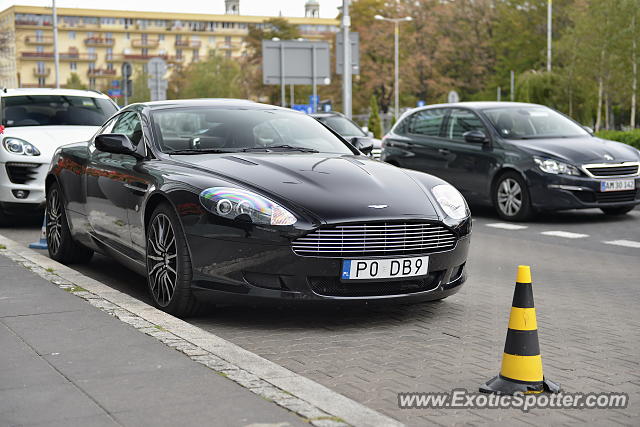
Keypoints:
pixel 33 124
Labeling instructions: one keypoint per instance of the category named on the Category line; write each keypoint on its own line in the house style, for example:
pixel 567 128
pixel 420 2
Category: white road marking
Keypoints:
pixel 626 243
pixel 506 226
pixel 565 234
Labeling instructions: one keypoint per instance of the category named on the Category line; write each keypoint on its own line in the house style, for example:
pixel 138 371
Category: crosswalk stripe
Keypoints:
pixel 625 243
pixel 506 226
pixel 565 234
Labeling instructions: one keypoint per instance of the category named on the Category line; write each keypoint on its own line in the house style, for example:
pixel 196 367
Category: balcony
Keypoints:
pixel 35 40
pixel 41 72
pixel 64 56
pixel 173 59
pixel 101 72
pixel 145 43
pixel 192 44
pixel 226 46
pixel 99 42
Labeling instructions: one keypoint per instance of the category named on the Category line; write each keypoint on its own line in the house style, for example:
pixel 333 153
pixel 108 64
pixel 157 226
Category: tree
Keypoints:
pixel 215 77
pixel 141 92
pixel 374 124
pixel 74 82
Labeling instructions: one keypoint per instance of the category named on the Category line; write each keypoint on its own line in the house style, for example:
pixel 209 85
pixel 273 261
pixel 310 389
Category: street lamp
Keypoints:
pixel 396 90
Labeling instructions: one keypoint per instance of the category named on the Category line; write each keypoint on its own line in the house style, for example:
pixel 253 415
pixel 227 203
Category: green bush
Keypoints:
pixel 375 123
pixel 631 137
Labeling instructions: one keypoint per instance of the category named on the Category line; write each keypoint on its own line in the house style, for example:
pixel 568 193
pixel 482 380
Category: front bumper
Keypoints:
pixel 34 176
pixel 227 271
pixel 557 192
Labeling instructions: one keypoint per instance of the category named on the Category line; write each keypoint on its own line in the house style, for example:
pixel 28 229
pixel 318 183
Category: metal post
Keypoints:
pixel 56 56
pixel 499 94
pixel 396 88
pixel 282 83
pixel 549 11
pixel 346 60
pixel 313 77
pixel 512 90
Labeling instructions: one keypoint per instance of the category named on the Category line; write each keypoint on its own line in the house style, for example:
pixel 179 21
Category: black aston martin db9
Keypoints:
pixel 234 199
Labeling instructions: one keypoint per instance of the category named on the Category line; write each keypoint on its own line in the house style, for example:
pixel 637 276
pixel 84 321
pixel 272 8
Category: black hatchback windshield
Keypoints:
pixel 55 110
pixel 202 129
pixel 532 122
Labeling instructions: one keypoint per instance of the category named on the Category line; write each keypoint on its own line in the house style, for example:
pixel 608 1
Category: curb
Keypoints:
pixel 316 403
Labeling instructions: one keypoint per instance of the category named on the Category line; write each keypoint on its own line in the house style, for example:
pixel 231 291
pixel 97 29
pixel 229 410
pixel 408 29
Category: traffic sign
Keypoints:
pixel 114 93
pixel 157 83
pixel 354 38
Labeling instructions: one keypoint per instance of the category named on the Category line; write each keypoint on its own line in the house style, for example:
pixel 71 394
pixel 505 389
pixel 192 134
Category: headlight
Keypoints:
pixel 451 201
pixel 235 203
pixel 18 146
pixel 555 167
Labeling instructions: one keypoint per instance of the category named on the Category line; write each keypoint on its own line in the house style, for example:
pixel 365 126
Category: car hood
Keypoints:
pixel 589 149
pixel 48 138
pixel 333 188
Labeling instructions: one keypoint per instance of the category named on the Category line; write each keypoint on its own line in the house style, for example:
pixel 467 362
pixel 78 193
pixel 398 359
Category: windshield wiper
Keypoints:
pixel 199 151
pixel 281 147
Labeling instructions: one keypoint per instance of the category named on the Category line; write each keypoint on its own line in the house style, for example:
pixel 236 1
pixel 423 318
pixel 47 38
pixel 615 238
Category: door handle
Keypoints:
pixel 443 151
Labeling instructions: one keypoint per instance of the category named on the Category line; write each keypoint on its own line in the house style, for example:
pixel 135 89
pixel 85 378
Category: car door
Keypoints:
pixel 108 196
pixel 469 165
pixel 423 141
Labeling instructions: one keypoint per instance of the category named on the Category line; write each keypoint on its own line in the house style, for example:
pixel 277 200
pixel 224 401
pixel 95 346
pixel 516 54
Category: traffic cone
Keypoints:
pixel 521 369
pixel 42 243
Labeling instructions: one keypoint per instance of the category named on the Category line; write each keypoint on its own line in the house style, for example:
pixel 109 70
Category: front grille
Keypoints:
pixel 375 239
pixel 619 169
pixel 333 287
pixel 616 196
pixel 22 173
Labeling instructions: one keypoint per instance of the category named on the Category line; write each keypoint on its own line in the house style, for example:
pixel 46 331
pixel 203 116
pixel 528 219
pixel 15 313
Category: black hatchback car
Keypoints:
pixel 521 158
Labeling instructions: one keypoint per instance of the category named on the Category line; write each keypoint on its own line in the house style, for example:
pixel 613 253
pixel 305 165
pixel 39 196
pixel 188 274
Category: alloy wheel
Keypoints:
pixel 54 221
pixel 509 197
pixel 162 259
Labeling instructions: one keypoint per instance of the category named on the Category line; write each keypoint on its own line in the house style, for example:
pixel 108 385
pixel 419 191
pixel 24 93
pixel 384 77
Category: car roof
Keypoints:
pixel 211 102
pixel 52 91
pixel 327 114
pixel 479 105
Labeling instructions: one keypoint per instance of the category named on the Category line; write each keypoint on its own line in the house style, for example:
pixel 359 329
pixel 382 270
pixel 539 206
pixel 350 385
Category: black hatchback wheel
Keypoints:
pixel 60 244
pixel 511 198
pixel 168 264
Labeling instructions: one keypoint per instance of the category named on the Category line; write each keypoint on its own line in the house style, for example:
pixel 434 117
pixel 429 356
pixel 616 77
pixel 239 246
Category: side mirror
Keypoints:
pixel 116 143
pixel 365 145
pixel 588 129
pixel 475 136
pixel 370 134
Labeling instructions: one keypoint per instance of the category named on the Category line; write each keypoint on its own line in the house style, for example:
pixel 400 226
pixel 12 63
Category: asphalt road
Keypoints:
pixel 585 269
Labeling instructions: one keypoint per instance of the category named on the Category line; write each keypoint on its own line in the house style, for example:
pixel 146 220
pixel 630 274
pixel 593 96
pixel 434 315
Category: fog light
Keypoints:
pixel 20 194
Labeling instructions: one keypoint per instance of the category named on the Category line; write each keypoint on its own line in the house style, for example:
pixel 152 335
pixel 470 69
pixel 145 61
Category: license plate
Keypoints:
pixel 618 185
pixel 389 268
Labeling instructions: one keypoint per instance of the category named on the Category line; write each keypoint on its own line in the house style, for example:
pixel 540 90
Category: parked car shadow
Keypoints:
pixel 574 216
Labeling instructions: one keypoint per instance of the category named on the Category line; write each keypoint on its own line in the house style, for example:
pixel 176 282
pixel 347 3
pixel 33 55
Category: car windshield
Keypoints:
pixel 532 123
pixel 342 126
pixel 210 129
pixel 55 110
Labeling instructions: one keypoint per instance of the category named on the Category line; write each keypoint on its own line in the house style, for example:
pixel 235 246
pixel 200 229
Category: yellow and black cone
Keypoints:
pixel 521 369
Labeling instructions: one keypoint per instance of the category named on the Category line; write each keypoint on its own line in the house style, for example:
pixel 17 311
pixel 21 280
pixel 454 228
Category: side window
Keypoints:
pixel 462 121
pixel 108 127
pixel 129 124
pixel 427 122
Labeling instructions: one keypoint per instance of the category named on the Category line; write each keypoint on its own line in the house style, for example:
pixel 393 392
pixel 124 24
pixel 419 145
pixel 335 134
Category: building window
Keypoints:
pixel 212 39
pixel 92 66
pixel 109 53
pixel 39 35
pixel 145 51
pixel 128 36
pixel 72 35
pixel 228 53
pixel 92 83
pixel 110 66
pixel 196 55
pixel 73 66
pixel 161 37
pixel 41 81
pixel 39 49
pixel 179 53
pixel 40 67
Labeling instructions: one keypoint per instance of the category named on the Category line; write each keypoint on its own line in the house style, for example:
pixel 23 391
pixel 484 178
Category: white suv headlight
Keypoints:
pixel 235 203
pixel 451 201
pixel 19 146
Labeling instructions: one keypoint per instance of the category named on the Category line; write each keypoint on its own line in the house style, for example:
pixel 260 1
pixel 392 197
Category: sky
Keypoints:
pixel 328 8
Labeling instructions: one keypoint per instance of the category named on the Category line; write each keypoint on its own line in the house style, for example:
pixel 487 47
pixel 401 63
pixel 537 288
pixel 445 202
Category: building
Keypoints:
pixel 94 43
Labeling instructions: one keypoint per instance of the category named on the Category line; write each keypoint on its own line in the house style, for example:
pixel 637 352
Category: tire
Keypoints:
pixel 511 198
pixel 617 210
pixel 169 269
pixel 60 244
